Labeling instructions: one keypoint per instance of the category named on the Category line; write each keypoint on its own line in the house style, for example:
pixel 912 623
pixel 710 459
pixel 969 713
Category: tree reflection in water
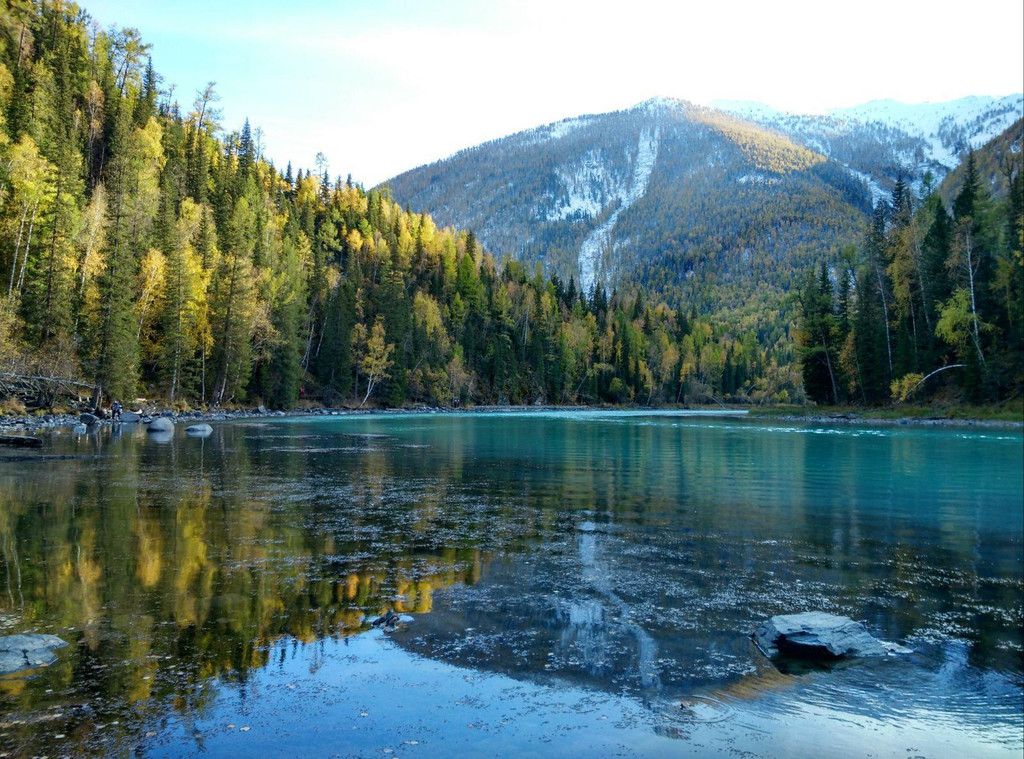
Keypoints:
pixel 627 554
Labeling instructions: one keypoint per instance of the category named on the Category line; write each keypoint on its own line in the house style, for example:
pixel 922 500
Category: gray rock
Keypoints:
pixel 88 419
pixel 161 424
pixel 80 429
pixel 818 635
pixel 262 409
pixel 19 652
pixel 199 430
pixel 130 416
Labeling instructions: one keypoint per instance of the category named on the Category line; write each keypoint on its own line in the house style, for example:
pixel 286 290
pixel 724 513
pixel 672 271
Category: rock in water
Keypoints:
pixel 129 417
pixel 19 652
pixel 390 621
pixel 88 419
pixel 199 430
pixel 817 635
pixel 161 424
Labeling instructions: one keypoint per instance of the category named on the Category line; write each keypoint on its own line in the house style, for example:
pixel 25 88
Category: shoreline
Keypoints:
pixel 902 421
pixel 48 422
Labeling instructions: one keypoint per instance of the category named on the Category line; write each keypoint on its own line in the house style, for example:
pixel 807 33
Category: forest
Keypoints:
pixel 148 250
pixel 930 305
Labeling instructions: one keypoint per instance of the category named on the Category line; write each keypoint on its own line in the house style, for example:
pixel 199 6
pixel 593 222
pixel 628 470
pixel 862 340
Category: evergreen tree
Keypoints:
pixel 818 338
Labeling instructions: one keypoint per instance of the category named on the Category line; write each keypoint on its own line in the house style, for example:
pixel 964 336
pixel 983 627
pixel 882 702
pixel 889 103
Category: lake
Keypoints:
pixel 577 582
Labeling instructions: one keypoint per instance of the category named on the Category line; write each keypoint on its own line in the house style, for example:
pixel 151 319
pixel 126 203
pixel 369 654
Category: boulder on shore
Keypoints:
pixel 19 652
pixel 818 635
pixel 130 416
pixel 88 419
pixel 161 424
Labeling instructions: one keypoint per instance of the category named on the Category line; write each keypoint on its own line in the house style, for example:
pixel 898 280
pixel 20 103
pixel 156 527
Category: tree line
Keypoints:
pixel 931 303
pixel 147 249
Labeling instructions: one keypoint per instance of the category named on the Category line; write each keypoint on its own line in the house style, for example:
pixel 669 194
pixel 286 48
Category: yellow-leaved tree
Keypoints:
pixel 377 361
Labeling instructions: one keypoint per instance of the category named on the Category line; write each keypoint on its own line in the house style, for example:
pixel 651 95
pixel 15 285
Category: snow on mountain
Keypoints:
pixel 748 109
pixel 876 139
pixel 586 184
pixel 559 129
pixel 949 128
pixel 599 240
pixel 695 199
pixel 928 118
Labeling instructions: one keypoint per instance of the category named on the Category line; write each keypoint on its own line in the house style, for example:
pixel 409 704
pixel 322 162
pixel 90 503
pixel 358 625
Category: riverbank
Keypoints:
pixel 35 424
pixel 914 416
pixel 1010 415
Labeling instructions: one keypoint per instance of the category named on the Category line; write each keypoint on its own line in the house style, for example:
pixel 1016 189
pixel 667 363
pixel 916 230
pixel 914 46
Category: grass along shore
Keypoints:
pixel 1009 413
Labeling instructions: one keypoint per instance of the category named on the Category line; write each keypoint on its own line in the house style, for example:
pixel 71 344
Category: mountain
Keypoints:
pixel 880 139
pixel 693 202
pixel 715 207
pixel 994 162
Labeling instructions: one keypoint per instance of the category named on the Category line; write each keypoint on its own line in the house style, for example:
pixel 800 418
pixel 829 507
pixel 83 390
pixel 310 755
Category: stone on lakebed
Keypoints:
pixel 19 652
pixel 819 635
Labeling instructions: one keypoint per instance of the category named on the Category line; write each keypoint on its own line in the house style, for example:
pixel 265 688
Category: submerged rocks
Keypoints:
pixel 21 441
pixel 818 635
pixel 19 652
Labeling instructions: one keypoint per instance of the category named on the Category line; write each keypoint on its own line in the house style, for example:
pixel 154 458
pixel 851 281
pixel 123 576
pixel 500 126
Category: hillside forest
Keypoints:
pixel 148 249
pixel 931 303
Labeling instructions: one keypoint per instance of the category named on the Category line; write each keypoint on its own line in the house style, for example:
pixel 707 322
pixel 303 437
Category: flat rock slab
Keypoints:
pixel 818 635
pixel 19 652
pixel 130 417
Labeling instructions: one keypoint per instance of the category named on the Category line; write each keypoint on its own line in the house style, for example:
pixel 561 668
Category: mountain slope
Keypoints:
pixel 880 139
pixel 993 162
pixel 696 203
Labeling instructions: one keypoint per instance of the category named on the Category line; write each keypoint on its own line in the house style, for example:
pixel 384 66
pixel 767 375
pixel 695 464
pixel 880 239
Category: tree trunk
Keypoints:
pixel 17 249
pixel 28 246
pixel 885 318
pixel 970 278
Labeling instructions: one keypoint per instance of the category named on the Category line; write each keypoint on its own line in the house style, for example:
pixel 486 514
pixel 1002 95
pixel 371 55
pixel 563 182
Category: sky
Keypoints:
pixel 383 86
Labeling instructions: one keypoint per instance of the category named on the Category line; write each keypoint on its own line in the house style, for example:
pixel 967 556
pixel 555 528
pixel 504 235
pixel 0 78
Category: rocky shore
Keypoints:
pixel 46 422
pixel 37 424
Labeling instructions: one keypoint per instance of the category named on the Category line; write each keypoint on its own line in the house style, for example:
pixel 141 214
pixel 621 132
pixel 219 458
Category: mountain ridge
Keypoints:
pixel 685 197
pixel 597 196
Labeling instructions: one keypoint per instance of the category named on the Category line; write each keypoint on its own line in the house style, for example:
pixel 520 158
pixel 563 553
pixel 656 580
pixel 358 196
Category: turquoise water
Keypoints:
pixel 575 580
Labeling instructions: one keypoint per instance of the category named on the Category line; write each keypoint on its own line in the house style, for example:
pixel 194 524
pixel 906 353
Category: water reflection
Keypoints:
pixel 630 555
